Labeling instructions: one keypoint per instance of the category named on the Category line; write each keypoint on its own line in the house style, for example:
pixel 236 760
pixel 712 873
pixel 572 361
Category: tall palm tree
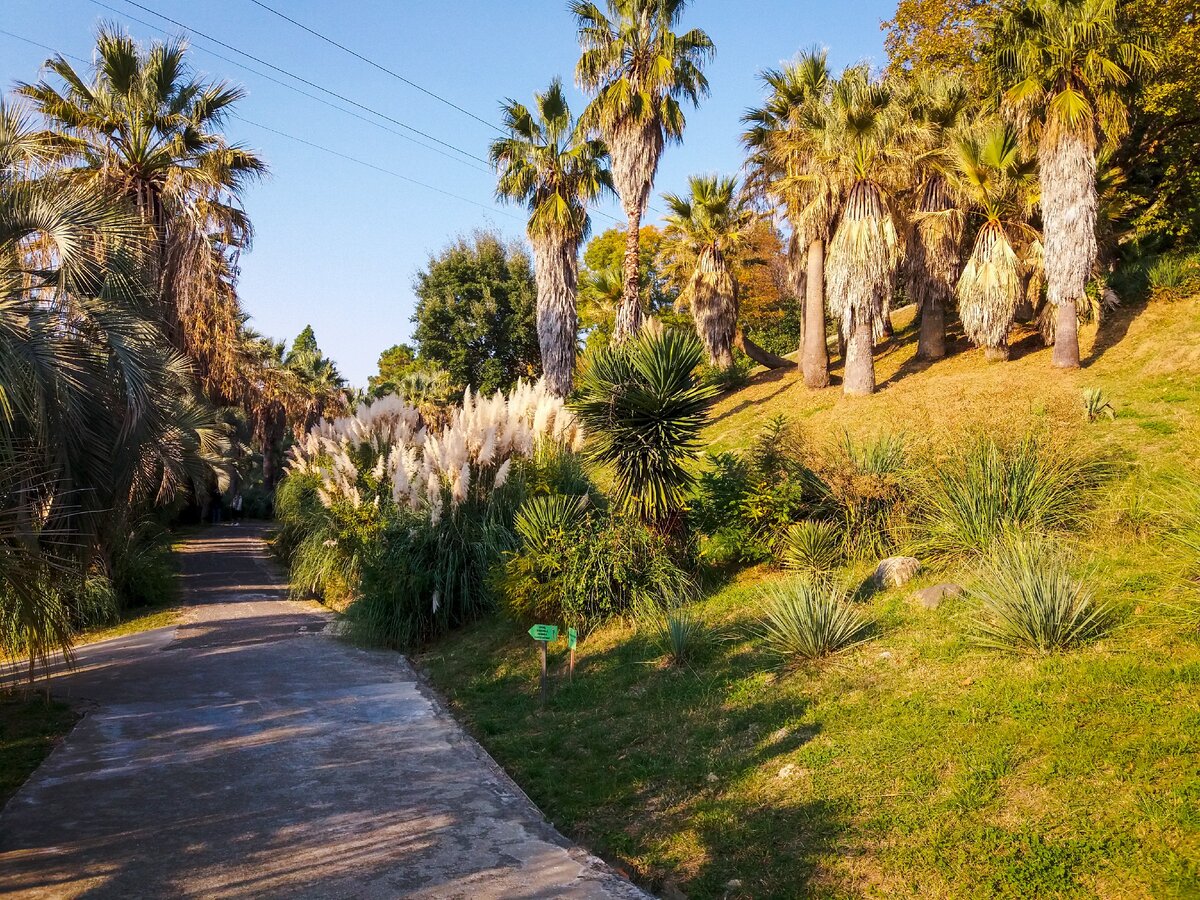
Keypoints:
pixel 784 138
pixel 639 69
pixel 998 185
pixel 866 162
pixel 703 230
pixel 938 107
pixel 547 162
pixel 1064 66
pixel 144 126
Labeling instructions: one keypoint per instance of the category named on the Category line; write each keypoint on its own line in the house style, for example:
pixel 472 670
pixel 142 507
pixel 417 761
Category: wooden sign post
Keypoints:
pixel 544 634
pixel 572 638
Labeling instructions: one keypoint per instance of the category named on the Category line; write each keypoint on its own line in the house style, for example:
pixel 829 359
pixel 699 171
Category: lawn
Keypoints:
pixel 916 764
pixel 30 726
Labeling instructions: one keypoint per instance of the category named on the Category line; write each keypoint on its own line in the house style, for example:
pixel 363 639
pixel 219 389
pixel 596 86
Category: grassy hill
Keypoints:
pixel 917 764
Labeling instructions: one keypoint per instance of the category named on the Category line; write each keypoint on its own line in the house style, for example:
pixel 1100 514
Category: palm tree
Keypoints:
pixel 784 139
pixel 703 229
pixel 639 69
pixel 998 184
pixel 938 107
pixel 865 163
pixel 1064 67
pixel 644 409
pixel 547 162
pixel 144 127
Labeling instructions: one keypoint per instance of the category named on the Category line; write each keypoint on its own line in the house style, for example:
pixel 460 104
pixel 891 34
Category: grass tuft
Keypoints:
pixel 809 619
pixel 812 547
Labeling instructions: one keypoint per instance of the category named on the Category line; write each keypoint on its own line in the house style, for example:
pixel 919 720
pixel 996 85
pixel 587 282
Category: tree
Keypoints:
pixel 644 410
pixel 998 183
pixel 703 230
pixel 144 127
pixel 930 38
pixel 863 157
pixel 395 364
pixel 547 162
pixel 475 316
pixel 639 69
pixel 938 108
pixel 786 138
pixel 1063 66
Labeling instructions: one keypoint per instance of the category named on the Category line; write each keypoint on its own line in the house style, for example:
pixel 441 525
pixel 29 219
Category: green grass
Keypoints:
pixel 29 728
pixel 917 763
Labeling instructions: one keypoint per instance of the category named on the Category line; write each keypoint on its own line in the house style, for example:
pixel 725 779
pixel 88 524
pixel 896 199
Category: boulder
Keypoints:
pixel 895 571
pixel 932 597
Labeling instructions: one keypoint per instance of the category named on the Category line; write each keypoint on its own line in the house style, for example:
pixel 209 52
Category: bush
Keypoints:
pixel 1028 601
pixel 812 547
pixel 726 380
pixel 1173 275
pixel 869 488
pixel 582 568
pixel 993 490
pixel 810 618
pixel 143 571
pixel 681 636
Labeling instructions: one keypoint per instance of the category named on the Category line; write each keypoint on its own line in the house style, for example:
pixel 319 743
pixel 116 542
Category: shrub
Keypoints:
pixel 731 379
pixel 142 571
pixel 1028 601
pixel 583 568
pixel 869 488
pixel 681 636
pixel 644 409
pixel 993 490
pixel 1174 274
pixel 810 618
pixel 1096 405
pixel 812 547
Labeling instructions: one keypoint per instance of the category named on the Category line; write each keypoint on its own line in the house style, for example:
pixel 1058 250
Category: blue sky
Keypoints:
pixel 338 244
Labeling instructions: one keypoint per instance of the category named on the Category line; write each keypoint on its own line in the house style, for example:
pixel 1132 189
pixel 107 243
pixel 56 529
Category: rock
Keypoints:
pixel 886 654
pixel 895 571
pixel 786 771
pixel 712 778
pixel 670 891
pixel 733 884
pixel 932 597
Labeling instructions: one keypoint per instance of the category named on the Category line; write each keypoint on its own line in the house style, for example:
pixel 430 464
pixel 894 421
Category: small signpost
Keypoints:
pixel 572 639
pixel 543 634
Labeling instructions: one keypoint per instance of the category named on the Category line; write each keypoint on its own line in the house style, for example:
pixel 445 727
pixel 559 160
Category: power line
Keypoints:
pixel 370 165
pixel 301 92
pixel 379 66
pixel 301 79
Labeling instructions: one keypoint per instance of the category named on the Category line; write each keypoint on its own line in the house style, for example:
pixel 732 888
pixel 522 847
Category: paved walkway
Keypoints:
pixel 245 753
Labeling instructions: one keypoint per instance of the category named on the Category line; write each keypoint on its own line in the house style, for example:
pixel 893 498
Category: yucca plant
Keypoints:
pixel 1097 406
pixel 644 408
pixel 813 547
pixel 681 636
pixel 809 619
pixel 992 490
pixel 1028 601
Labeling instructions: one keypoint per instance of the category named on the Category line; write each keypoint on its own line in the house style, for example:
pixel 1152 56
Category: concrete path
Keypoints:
pixel 244 753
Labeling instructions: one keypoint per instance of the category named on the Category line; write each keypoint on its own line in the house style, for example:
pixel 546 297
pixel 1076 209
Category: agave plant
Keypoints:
pixel 644 408
pixel 1096 405
pixel 1029 601
pixel 809 619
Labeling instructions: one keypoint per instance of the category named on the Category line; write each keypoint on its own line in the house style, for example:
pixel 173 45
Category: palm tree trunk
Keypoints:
pixel 858 378
pixel 629 312
pixel 815 358
pixel 931 343
pixel 556 270
pixel 759 355
pixel 1067 173
pixel 714 306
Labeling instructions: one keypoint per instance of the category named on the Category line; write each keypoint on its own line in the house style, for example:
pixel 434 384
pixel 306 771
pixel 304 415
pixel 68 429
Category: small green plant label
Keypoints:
pixel 544 632
pixel 572 638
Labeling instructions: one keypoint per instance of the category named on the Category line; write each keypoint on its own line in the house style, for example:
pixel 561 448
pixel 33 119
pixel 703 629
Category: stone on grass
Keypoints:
pixel 932 597
pixel 895 571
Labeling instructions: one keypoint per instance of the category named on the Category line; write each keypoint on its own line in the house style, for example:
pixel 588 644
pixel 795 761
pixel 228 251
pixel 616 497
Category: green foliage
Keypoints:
pixel 728 379
pixel 992 490
pixel 644 409
pixel 395 364
pixel 681 636
pixel 1174 275
pixel 808 619
pixel 475 315
pixel 1028 601
pixel 1096 405
pixel 869 486
pixel 812 547
pixel 142 570
pixel 582 569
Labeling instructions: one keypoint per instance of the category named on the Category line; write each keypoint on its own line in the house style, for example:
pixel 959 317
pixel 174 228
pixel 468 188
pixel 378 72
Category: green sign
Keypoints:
pixel 572 638
pixel 544 632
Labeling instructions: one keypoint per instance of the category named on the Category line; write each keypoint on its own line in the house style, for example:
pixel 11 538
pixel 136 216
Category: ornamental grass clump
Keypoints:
pixel 681 636
pixel 1028 601
pixel 993 489
pixel 870 490
pixel 809 619
pixel 812 547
